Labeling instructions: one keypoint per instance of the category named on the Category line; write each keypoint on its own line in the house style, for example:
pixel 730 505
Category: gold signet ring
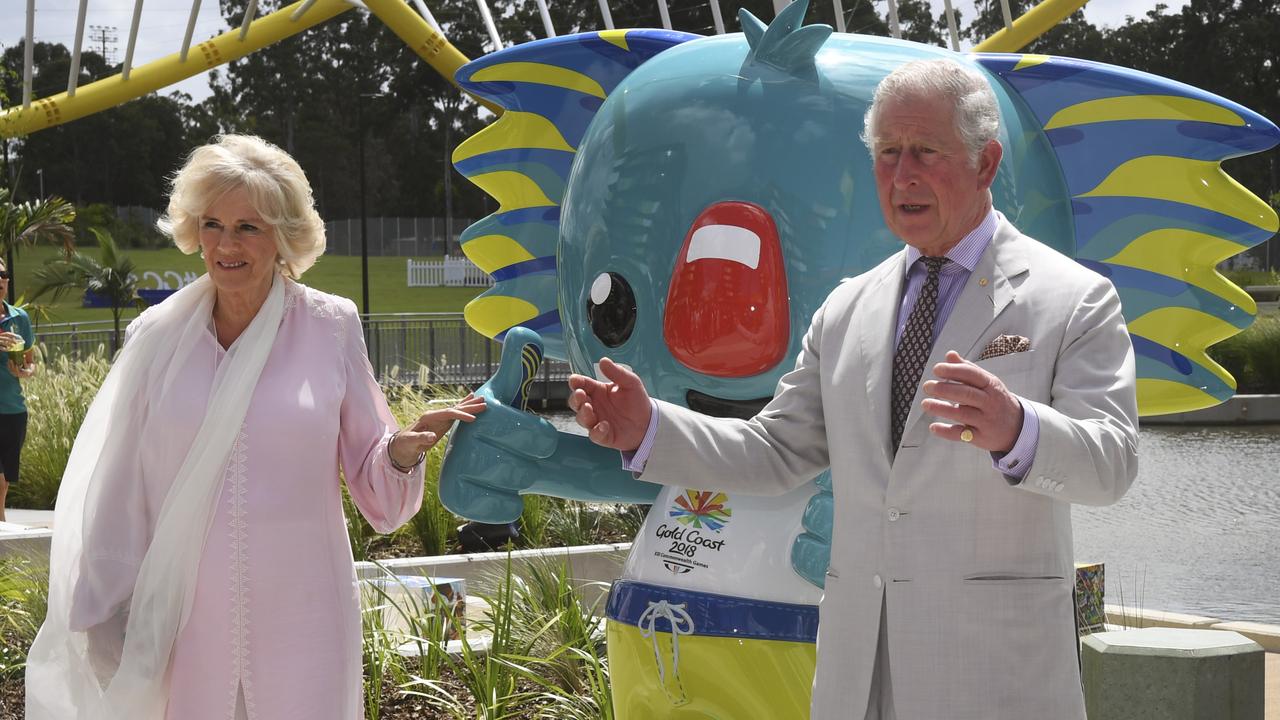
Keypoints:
pixel 966 435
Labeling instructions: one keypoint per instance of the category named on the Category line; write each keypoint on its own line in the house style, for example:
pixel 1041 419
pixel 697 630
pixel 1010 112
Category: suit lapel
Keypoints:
pixel 876 323
pixel 987 292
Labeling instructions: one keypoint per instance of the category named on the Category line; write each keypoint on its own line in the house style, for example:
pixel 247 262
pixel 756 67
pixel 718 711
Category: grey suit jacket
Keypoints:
pixel 975 573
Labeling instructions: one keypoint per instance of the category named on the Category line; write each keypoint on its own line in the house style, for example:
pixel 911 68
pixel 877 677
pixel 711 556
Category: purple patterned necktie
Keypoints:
pixel 913 348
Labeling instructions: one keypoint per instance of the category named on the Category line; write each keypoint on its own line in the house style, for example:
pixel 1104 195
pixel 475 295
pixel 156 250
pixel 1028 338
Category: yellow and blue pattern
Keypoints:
pixel 551 90
pixel 1153 209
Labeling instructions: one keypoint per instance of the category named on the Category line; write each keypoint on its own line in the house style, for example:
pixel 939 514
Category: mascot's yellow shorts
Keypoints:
pixel 682 655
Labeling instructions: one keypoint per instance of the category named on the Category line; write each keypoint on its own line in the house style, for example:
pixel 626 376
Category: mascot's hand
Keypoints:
pixel 811 551
pixel 490 461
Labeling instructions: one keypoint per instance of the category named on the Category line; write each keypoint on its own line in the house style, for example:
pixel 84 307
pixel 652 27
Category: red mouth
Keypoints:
pixel 727 312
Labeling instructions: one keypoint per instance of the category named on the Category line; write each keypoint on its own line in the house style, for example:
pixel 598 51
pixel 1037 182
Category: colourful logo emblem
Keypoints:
pixel 702 509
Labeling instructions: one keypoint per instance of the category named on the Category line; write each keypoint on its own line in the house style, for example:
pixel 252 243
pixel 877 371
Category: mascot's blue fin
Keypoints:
pixel 550 90
pixel 1153 209
pixel 786 43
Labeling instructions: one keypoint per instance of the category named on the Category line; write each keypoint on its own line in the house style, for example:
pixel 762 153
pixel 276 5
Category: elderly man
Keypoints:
pixel 949 589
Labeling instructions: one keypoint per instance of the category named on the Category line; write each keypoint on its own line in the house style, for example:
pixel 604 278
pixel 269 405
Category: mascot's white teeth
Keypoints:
pixel 725 242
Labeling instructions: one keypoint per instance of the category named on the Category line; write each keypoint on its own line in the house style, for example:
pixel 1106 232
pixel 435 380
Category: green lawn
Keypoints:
pixel 338 274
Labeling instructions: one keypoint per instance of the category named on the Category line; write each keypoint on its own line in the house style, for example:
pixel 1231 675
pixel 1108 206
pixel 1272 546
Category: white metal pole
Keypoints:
pixel 28 54
pixel 546 18
pixel 779 6
pixel 895 29
pixel 302 9
pixel 608 16
pixel 133 40
pixel 431 19
pixel 717 18
pixel 191 29
pixel 488 23
pixel 839 11
pixel 666 15
pixel 951 25
pixel 1008 16
pixel 73 78
pixel 249 14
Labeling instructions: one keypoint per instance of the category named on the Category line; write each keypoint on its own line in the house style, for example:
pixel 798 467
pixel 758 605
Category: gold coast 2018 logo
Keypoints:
pixel 699 518
pixel 699 509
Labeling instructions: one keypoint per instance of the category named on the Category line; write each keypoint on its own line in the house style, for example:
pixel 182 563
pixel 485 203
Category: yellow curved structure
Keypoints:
pixel 110 92
pixel 1029 26
pixel 107 93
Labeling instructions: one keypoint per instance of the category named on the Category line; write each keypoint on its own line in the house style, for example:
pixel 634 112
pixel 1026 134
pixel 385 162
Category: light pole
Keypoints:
pixel 364 215
pixel 40 174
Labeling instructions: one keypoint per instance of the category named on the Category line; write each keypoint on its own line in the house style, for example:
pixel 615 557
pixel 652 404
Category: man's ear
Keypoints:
pixel 989 163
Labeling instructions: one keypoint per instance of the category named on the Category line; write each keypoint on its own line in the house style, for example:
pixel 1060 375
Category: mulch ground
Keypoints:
pixel 12 699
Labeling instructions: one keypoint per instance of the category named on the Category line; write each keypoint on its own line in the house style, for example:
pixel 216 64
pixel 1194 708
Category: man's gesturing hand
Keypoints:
pixel 615 413
pixel 972 398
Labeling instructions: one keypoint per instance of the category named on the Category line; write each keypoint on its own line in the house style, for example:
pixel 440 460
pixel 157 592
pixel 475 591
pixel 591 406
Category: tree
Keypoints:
pixel 31 222
pixel 119 156
pixel 918 23
pixel 111 276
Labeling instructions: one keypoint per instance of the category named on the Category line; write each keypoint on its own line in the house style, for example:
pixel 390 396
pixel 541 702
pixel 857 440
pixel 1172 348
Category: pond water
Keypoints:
pixel 1199 532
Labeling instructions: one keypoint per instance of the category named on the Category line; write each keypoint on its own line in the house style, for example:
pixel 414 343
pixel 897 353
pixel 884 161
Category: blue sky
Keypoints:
pixel 164 22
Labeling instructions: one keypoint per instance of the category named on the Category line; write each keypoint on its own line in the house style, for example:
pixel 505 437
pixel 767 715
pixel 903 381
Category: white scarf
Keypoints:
pixel 61 681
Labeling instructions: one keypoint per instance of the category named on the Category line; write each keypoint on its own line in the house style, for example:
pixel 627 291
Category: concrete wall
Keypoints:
pixel 592 567
pixel 1268 636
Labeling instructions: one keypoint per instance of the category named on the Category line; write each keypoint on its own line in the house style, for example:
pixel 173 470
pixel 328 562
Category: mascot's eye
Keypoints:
pixel 611 309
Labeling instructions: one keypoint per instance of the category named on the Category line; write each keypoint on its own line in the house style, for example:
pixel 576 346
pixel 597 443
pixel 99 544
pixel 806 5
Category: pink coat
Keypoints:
pixel 276 611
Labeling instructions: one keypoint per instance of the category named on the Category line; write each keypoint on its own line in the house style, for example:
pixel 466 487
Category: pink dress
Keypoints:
pixel 275 622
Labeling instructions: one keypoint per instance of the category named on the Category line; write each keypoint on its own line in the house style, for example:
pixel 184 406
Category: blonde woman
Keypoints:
pixel 200 564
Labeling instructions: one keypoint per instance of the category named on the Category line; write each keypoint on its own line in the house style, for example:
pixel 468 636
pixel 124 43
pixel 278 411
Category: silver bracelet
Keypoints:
pixel 421 456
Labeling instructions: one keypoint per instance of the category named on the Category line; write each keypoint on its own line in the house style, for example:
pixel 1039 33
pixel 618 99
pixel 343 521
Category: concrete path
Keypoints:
pixel 29 519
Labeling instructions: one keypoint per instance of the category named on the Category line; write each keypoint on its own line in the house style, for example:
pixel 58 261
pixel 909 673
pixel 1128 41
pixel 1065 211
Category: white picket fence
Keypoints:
pixel 455 272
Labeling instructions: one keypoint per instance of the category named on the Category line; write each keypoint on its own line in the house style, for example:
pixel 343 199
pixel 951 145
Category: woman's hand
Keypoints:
pixel 11 339
pixel 21 371
pixel 411 442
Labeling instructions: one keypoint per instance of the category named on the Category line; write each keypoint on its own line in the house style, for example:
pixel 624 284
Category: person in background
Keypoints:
pixel 15 337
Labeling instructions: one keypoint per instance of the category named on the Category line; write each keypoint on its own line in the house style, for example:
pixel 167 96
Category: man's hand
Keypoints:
pixel 973 400
pixel 616 414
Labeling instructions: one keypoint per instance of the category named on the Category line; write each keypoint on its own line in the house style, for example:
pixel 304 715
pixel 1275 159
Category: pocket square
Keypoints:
pixel 1005 345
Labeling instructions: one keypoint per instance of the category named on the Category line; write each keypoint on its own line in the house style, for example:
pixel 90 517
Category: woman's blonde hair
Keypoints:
pixel 277 189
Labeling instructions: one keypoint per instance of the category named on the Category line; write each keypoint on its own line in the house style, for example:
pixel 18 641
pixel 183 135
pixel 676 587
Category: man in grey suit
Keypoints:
pixel 949 588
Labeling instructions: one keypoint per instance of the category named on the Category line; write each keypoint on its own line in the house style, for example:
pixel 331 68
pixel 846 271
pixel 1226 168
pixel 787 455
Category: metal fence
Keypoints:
pixel 411 348
pixel 395 236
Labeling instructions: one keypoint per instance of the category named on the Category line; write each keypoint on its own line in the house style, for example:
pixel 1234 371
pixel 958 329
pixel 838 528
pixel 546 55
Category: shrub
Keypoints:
pixel 1253 356
pixel 24 599
pixel 57 399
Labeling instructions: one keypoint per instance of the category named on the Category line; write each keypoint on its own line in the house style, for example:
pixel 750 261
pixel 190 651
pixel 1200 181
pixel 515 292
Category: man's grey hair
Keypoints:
pixel 977 113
